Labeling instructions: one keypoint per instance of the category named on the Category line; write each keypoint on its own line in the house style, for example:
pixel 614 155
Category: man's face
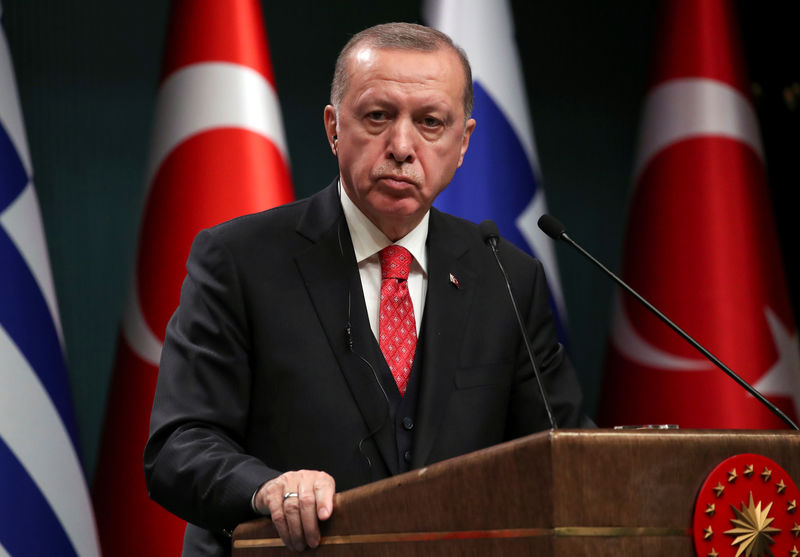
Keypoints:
pixel 401 132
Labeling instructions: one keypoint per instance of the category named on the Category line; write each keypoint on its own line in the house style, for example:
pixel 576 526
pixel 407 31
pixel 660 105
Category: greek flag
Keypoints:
pixel 44 503
pixel 500 178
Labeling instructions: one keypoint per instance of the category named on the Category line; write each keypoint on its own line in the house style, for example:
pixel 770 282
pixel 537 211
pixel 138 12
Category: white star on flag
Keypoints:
pixel 783 378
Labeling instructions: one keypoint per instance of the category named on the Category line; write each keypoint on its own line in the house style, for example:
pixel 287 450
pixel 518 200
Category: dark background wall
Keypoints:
pixel 88 72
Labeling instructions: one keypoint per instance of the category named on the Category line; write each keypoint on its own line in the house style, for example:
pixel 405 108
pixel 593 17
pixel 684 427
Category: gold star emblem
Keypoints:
pixel 708 533
pixel 719 489
pixel 766 474
pixel 752 532
pixel 713 553
pixel 794 552
pixel 732 476
pixel 791 506
pixel 711 508
pixel 781 486
pixel 796 530
pixel 748 470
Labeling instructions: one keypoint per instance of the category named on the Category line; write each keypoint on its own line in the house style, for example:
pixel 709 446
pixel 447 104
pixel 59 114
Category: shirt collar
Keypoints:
pixel 368 240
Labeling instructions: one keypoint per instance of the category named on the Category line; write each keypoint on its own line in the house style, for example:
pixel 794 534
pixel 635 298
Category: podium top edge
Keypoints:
pixel 656 431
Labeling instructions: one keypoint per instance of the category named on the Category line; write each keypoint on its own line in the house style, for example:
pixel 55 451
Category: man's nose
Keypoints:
pixel 401 141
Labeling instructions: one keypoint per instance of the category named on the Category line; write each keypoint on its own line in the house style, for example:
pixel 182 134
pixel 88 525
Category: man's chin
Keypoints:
pixel 398 218
pixel 399 209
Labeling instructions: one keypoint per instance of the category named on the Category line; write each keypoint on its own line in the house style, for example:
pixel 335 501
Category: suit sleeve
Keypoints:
pixel 195 461
pixel 558 376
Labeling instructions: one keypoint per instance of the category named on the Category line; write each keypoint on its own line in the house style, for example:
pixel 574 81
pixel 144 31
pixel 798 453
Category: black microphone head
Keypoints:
pixel 489 231
pixel 551 226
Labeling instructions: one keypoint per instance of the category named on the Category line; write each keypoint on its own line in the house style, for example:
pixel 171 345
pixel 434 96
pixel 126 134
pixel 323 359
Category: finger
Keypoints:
pixel 323 490
pixel 275 492
pixel 269 497
pixel 291 510
pixel 308 516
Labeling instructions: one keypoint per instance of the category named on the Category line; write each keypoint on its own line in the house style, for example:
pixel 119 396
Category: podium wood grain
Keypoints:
pixel 569 492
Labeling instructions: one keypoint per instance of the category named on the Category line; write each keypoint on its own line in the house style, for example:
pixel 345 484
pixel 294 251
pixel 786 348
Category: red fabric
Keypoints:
pixel 699 38
pixel 206 178
pixel 217 31
pixel 128 522
pixel 701 245
pixel 398 328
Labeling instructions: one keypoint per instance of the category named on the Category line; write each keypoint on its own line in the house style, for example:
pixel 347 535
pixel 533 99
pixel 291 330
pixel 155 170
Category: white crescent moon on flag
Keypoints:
pixel 136 332
pixel 630 344
pixel 198 98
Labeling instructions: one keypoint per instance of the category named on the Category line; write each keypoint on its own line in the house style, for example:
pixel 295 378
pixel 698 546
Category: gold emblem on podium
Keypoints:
pixel 753 533
pixel 751 514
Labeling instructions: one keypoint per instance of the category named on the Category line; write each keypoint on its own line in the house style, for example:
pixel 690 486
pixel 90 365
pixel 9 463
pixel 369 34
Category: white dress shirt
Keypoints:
pixel 368 241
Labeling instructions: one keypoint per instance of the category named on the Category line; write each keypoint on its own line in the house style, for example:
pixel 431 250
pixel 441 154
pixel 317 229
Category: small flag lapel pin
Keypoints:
pixel 454 281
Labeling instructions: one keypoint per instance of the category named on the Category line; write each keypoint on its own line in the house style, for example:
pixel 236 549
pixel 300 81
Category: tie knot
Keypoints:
pixel 395 262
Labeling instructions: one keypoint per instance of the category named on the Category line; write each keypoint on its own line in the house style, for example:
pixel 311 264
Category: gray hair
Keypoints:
pixel 401 36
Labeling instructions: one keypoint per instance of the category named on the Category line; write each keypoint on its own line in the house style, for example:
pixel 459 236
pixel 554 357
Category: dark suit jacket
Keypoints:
pixel 257 378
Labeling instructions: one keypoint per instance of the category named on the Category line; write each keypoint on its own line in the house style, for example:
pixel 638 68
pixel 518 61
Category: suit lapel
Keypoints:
pixel 331 277
pixel 446 309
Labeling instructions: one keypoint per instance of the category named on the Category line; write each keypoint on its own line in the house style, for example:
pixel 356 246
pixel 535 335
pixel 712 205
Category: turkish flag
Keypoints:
pixel 218 151
pixel 701 244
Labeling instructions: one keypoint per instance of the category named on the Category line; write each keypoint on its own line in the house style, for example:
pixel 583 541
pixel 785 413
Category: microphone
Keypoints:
pixel 490 236
pixel 553 228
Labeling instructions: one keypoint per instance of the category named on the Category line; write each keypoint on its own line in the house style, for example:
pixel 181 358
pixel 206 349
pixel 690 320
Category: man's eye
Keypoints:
pixel 377 116
pixel 431 122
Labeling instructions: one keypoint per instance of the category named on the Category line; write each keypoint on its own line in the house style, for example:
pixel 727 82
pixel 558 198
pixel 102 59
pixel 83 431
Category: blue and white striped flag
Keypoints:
pixel 500 177
pixel 44 502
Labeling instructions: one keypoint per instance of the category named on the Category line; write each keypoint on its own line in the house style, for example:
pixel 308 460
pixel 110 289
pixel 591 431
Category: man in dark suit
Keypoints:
pixel 286 373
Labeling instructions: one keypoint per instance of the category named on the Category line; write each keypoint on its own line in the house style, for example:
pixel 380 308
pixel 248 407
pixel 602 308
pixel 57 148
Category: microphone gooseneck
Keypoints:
pixel 553 228
pixel 491 236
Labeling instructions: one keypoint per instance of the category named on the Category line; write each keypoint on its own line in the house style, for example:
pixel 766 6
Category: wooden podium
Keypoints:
pixel 565 492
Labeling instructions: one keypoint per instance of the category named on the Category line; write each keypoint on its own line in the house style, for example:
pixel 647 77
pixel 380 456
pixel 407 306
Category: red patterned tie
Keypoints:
pixel 398 329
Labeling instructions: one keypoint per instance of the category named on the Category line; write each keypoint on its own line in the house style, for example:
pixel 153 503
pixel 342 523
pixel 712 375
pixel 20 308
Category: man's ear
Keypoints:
pixel 329 119
pixel 469 127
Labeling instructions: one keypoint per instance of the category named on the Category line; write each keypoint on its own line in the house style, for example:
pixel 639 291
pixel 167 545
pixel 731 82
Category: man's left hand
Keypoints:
pixel 296 501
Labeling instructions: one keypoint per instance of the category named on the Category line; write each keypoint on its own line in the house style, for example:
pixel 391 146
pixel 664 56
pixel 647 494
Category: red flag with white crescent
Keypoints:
pixel 701 244
pixel 218 151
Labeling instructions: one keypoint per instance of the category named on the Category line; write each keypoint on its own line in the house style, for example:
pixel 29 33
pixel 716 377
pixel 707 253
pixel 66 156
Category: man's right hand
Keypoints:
pixel 297 501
